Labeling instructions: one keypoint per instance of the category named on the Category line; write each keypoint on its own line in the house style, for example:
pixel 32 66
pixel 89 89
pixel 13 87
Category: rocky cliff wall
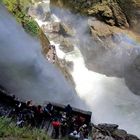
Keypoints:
pixel 131 9
pixel 121 13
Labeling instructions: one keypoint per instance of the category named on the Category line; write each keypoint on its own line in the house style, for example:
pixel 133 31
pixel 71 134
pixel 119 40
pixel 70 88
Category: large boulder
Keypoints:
pixel 58 27
pixel 110 13
pixel 40 11
pixel 66 45
pixel 101 29
pixel 110 132
pixel 119 134
pixel 66 30
pixel 103 50
pixel 108 127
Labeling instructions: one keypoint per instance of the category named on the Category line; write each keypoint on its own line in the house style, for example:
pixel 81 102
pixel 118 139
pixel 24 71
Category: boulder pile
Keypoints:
pixel 111 132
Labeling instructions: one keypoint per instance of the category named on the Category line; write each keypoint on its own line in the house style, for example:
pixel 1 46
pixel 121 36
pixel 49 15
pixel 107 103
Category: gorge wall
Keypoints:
pixel 122 13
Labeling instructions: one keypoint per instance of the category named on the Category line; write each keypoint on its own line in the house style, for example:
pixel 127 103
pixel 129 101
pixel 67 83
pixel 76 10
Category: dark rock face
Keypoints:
pixel 111 132
pixel 109 127
pixel 107 50
pixel 132 76
pixel 131 137
pixel 121 13
pixel 120 134
pixel 131 8
pixel 110 13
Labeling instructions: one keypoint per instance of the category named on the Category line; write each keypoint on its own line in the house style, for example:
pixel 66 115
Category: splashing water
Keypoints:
pixel 23 69
pixel 108 98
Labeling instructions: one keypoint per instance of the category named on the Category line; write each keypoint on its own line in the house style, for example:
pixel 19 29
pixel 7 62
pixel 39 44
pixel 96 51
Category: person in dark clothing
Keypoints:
pixel 50 107
pixel 64 128
pixel 19 106
pixel 39 116
pixel 48 110
pixel 68 110
pixel 28 117
pixel 48 115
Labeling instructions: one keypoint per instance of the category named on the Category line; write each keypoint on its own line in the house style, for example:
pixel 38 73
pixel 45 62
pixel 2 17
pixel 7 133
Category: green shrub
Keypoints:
pixel 32 27
pixel 19 9
pixel 9 129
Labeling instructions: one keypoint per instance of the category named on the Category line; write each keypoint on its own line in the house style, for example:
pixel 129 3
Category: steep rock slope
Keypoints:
pixel 121 13
pixel 131 9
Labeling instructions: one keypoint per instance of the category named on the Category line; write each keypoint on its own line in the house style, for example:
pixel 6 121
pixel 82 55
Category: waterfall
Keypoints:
pixel 24 71
pixel 108 98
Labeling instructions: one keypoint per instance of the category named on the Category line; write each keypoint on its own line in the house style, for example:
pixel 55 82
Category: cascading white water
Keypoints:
pixel 108 98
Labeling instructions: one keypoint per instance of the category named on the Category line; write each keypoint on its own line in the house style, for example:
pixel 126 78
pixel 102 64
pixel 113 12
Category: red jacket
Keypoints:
pixel 56 123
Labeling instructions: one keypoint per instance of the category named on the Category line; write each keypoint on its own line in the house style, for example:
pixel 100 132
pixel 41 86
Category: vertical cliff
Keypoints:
pixel 121 13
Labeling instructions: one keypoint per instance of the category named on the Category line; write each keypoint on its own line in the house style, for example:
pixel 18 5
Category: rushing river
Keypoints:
pixel 24 71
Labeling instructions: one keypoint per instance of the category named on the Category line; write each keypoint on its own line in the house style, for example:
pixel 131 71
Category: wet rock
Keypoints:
pixel 131 8
pixel 65 68
pixel 122 13
pixel 105 40
pixel 108 127
pixel 111 132
pixel 40 11
pixel 119 134
pixel 99 28
pixel 131 137
pixel 110 13
pixel 132 76
pixel 118 16
pixel 66 45
pixel 51 27
pixel 66 30
pixel 59 28
pixel 100 135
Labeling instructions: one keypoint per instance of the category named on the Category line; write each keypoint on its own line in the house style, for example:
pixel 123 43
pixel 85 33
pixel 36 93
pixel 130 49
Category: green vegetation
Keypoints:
pixel 8 130
pixel 19 9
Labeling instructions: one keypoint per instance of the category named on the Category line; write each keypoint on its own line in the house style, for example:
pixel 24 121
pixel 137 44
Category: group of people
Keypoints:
pixel 62 121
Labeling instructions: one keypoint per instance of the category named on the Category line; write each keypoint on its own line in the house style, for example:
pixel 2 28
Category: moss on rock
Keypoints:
pixel 19 9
